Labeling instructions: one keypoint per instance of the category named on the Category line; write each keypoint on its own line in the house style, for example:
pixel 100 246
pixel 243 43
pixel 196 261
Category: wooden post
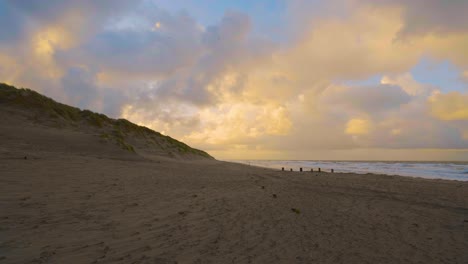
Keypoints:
pixel 319 170
pixel 300 169
pixel 282 168
pixel 311 170
pixel 290 169
pixel 332 171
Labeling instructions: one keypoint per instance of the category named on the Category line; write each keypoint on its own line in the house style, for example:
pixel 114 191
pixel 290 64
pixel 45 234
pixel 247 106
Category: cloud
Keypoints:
pixel 79 85
pixel 80 19
pixel 365 99
pixel 241 123
pixel 333 46
pixel 142 52
pixel 438 28
pixel 429 16
pixel 358 126
pixel 407 83
pixel 80 89
pixel 178 62
pixel 449 106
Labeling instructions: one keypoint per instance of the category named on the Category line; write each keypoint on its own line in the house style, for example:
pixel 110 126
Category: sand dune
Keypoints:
pixel 32 119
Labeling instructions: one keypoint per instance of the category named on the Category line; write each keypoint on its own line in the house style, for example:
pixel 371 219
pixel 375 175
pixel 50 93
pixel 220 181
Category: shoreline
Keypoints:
pixel 276 165
pixel 370 161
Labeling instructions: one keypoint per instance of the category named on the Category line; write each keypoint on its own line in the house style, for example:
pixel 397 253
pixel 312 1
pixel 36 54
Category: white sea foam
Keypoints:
pixel 432 170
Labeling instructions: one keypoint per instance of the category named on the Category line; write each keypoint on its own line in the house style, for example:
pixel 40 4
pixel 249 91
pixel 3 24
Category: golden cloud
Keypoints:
pixel 449 106
pixel 358 126
pixel 406 82
pixel 234 122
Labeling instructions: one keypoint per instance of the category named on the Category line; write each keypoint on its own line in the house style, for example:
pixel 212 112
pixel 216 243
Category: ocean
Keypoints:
pixel 431 170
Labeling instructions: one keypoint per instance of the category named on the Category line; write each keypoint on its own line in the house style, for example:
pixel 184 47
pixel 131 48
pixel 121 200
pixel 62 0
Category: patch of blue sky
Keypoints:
pixel 268 17
pixel 441 74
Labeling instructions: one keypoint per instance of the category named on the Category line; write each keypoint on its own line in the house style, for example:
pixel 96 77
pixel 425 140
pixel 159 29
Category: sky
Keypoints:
pixel 265 79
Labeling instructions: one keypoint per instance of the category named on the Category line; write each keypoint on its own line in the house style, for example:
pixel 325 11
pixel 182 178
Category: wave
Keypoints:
pixel 432 170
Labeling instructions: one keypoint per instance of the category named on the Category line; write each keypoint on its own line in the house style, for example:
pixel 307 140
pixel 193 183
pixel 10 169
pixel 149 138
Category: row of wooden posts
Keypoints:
pixel 311 170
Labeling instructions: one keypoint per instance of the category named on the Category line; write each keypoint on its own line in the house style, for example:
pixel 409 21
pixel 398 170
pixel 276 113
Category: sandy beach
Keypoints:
pixel 78 206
